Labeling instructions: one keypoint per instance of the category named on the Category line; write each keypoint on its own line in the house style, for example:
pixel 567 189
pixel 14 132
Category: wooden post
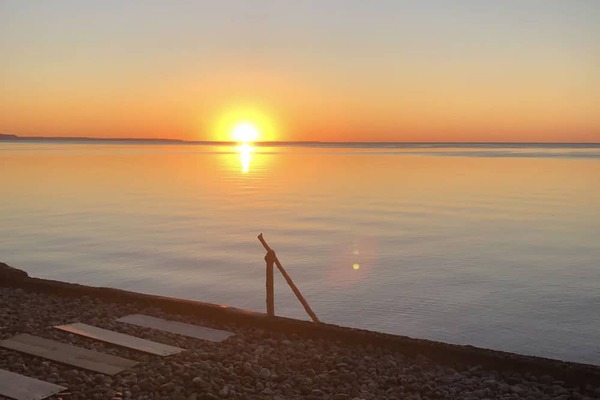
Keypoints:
pixel 270 259
pixel 287 279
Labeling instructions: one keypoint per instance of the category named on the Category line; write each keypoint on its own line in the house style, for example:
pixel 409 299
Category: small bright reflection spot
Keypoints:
pixel 355 252
pixel 356 266
pixel 245 151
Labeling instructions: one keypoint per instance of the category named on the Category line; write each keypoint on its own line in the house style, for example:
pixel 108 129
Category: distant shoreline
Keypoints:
pixel 65 139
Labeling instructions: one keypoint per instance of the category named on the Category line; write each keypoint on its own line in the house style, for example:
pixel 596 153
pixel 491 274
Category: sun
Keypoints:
pixel 244 124
pixel 245 132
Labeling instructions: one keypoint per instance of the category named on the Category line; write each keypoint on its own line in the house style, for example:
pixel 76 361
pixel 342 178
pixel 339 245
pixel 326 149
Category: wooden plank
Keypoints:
pixel 120 339
pixel 21 387
pixel 180 328
pixel 67 354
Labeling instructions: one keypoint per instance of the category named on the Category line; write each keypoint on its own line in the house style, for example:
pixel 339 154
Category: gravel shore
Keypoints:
pixel 253 364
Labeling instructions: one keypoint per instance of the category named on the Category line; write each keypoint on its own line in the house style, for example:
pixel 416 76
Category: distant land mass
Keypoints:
pixel 12 137
pixel 5 137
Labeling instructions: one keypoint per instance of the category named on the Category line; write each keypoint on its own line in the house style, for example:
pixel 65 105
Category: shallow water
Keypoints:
pixel 489 245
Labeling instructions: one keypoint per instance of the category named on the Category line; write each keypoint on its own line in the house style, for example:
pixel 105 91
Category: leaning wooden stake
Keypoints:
pixel 272 257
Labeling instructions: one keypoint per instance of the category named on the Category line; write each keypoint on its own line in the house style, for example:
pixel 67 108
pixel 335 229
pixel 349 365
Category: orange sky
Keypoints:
pixel 348 71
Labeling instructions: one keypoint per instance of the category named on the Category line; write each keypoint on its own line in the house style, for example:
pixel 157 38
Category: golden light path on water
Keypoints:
pixel 245 133
pixel 245 150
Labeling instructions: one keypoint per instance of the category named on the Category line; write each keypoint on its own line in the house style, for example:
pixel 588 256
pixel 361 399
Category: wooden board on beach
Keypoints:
pixel 120 339
pixel 21 387
pixel 180 328
pixel 68 354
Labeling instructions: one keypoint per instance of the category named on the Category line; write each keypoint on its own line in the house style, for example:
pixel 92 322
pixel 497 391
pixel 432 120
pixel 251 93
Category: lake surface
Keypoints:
pixel 491 245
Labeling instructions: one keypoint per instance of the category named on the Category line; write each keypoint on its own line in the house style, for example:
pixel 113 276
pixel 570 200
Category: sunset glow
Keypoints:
pixel 487 71
pixel 242 124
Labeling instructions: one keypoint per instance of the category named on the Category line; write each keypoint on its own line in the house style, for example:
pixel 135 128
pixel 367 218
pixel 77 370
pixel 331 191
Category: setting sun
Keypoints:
pixel 244 124
pixel 245 132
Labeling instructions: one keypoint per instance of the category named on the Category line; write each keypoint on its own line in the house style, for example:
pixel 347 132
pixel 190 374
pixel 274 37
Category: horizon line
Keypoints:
pixel 14 137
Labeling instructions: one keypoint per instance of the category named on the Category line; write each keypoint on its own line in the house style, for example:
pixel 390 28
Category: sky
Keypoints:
pixel 328 70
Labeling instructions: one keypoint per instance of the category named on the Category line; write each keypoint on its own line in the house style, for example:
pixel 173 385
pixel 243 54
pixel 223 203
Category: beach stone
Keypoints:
pixel 304 389
pixel 224 392
pixel 200 382
pixel 341 396
pixel 167 387
pixel 253 364
pixel 264 373
pixel 518 389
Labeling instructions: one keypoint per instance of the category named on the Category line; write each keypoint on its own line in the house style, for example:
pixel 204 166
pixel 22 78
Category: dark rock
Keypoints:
pixel 10 274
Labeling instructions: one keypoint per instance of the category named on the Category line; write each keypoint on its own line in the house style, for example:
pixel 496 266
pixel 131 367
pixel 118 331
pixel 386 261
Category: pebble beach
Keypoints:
pixel 253 364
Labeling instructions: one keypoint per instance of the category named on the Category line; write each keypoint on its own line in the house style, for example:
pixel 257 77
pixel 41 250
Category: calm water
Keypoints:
pixel 495 246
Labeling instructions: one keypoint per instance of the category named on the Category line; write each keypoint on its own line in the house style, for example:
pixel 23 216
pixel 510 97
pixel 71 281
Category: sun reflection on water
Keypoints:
pixel 245 151
pixel 245 161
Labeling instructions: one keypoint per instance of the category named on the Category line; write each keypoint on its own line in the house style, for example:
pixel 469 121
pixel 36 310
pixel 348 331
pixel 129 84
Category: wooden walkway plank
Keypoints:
pixel 21 387
pixel 120 339
pixel 68 354
pixel 180 328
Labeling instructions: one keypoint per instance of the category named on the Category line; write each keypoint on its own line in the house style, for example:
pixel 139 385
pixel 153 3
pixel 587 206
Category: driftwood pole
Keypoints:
pixel 270 259
pixel 272 256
